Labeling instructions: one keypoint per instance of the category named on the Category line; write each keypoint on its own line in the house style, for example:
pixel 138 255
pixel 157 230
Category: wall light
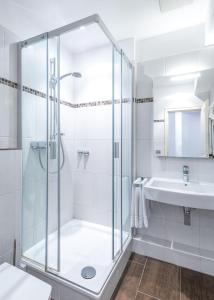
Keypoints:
pixel 82 27
pixel 186 77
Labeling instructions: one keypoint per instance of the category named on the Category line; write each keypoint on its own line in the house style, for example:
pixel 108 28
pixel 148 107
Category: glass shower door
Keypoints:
pixel 53 203
pixel 41 151
pixel 34 146
pixel 117 154
pixel 126 147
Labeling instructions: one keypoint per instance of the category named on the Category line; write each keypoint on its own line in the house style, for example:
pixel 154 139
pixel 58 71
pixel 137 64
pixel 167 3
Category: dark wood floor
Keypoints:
pixel 150 279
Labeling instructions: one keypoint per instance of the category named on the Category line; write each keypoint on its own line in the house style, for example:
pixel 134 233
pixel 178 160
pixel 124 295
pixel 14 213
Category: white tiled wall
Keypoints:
pixel 92 131
pixel 93 175
pixel 10 202
pixel 8 96
pixel 96 69
pixel 167 222
pixel 10 160
pixel 172 43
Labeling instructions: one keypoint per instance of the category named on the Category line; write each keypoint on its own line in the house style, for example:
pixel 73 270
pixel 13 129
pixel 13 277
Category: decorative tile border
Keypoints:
pixel 143 100
pixel 159 121
pixel 33 92
pixel 73 105
pixel 103 102
pixel 8 83
pixel 66 103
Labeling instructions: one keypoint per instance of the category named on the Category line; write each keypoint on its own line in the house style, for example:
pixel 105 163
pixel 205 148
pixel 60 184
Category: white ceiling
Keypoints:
pixel 166 5
pixel 81 40
pixel 125 18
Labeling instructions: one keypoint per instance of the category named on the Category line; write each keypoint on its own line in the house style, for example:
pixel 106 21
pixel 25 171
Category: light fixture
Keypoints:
pixel 82 27
pixel 186 77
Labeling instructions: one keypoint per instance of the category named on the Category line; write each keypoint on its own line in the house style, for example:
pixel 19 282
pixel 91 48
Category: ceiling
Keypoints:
pixel 140 19
pixel 84 39
pixel 173 4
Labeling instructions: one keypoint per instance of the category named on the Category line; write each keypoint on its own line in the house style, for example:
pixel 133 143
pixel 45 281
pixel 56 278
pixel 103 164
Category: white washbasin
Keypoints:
pixel 176 192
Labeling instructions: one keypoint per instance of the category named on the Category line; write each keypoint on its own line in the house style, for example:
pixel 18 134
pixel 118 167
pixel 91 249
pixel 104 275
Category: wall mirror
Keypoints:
pixel 182 87
pixel 186 132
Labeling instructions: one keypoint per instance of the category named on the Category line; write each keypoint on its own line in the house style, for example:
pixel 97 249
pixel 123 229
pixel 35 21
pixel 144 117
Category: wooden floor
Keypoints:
pixel 150 279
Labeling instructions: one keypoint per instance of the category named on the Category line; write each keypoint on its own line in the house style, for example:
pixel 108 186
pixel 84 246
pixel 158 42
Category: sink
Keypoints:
pixel 176 192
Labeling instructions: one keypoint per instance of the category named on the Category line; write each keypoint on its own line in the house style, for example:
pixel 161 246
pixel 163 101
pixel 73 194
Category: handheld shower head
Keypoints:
pixel 77 74
pixel 74 74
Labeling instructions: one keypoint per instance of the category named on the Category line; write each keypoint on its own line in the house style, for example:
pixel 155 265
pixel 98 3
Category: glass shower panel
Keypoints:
pixel 117 152
pixel 54 162
pixel 85 184
pixel 126 146
pixel 34 137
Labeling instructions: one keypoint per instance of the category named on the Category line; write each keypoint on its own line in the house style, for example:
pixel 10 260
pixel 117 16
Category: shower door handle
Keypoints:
pixel 116 150
pixel 53 109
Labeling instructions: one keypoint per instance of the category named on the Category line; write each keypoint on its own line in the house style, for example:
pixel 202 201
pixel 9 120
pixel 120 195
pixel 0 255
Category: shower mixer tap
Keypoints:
pixel 83 152
pixel 186 174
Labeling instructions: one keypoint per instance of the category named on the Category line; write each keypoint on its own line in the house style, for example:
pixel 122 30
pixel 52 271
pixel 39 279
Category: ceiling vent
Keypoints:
pixel 166 5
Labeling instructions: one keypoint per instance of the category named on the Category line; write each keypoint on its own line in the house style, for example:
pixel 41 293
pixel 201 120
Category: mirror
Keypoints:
pixel 185 132
pixel 183 104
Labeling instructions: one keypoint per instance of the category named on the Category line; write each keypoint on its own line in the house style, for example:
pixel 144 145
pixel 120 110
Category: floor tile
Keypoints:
pixel 138 258
pixel 130 282
pixel 141 296
pixel 161 280
pixel 196 286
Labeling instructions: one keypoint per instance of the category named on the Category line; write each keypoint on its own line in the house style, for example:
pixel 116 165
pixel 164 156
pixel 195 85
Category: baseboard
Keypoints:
pixel 179 254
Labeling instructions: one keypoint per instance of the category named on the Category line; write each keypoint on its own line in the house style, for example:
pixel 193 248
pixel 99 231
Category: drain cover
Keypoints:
pixel 88 272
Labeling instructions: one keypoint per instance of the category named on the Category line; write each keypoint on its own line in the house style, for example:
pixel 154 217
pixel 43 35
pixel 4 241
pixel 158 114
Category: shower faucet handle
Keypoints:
pixel 86 153
pixel 83 152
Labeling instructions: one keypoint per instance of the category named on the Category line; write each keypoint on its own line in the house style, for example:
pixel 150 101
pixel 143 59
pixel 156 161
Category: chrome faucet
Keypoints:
pixel 186 174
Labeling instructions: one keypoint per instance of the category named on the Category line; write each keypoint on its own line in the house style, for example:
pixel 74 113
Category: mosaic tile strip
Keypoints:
pixel 33 92
pixel 77 105
pixel 159 121
pixel 8 83
pixel 103 102
pixel 68 103
pixel 143 100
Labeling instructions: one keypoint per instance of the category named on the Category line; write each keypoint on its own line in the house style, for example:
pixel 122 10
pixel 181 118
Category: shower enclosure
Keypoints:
pixel 76 115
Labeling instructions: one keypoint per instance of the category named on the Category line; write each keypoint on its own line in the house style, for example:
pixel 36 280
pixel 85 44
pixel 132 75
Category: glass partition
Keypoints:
pixel 117 152
pixel 34 150
pixel 126 146
pixel 54 159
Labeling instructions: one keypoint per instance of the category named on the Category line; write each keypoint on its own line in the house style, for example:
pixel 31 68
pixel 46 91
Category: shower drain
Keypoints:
pixel 88 272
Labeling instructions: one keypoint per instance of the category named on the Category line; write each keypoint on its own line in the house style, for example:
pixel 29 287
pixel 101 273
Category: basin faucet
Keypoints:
pixel 186 174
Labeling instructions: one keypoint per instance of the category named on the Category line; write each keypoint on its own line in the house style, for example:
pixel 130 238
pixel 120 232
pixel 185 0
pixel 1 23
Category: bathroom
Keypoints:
pixel 106 150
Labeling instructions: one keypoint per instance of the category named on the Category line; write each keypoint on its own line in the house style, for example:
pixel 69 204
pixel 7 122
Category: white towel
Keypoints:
pixel 140 206
pixel 126 193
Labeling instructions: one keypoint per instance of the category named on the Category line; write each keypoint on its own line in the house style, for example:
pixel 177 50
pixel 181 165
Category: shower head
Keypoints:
pixel 74 74
pixel 77 74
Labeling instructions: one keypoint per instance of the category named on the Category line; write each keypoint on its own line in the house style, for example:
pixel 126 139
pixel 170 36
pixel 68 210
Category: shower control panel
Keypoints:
pixel 83 152
pixel 38 145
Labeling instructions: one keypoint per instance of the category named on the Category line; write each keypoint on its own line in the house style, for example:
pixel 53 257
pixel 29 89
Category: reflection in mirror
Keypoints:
pixel 185 133
pixel 182 104
pixel 182 87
